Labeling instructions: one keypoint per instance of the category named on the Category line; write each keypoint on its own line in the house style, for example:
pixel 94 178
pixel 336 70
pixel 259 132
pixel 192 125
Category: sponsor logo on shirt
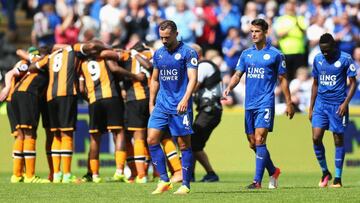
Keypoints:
pixel 169 74
pixel 327 80
pixel 254 72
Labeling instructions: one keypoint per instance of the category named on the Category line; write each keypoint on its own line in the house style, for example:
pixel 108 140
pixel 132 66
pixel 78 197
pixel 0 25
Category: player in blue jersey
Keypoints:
pixel 264 65
pixel 329 103
pixel 172 83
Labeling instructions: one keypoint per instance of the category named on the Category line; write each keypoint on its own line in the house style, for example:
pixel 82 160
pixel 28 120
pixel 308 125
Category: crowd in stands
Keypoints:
pixel 221 27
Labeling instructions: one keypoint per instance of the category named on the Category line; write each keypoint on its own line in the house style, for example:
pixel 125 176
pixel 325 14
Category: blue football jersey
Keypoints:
pixel 173 76
pixel 332 77
pixel 262 68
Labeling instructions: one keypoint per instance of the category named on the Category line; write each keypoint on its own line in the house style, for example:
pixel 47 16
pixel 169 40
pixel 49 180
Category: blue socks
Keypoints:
pixel 320 155
pixel 262 158
pixel 158 160
pixel 270 165
pixel 186 162
pixel 339 160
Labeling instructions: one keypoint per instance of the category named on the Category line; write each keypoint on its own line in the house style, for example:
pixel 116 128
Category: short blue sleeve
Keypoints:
pixel 351 71
pixel 281 64
pixel 315 71
pixel 191 59
pixel 155 58
pixel 241 65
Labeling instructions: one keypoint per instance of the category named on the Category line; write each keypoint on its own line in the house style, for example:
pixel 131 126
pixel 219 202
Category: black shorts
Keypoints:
pixel 12 119
pixel 203 126
pixel 26 110
pixel 137 114
pixel 62 113
pixel 44 113
pixel 106 115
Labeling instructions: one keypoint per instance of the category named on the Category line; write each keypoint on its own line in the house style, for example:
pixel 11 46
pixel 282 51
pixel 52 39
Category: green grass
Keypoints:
pixel 290 146
pixel 294 187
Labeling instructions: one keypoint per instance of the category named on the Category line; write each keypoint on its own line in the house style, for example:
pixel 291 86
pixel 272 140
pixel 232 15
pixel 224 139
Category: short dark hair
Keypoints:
pixel 261 23
pixel 168 24
pixel 326 38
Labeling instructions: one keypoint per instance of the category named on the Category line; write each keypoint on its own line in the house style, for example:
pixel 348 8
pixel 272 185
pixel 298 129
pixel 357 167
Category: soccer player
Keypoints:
pixel 329 103
pixel 62 102
pixel 172 83
pixel 106 109
pixel 208 105
pixel 263 65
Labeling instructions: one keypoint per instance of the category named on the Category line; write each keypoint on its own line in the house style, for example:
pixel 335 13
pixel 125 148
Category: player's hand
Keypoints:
pixel 182 107
pixel 342 110
pixel 226 92
pixel 290 110
pixel 310 114
pixel 140 76
pixel 4 93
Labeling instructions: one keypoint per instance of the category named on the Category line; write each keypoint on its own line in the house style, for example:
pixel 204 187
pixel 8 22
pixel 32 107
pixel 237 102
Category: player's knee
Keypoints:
pixel 152 141
pixel 259 140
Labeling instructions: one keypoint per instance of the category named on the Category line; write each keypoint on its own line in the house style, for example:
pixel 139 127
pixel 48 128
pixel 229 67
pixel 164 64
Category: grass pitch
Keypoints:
pixel 294 187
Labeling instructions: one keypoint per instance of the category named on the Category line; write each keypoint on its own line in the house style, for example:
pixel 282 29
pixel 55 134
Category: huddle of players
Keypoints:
pixel 95 71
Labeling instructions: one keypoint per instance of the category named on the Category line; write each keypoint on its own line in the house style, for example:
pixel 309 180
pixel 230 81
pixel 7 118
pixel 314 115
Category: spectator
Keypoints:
pixel 155 15
pixel 112 18
pixel 300 89
pixel 290 29
pixel 188 26
pixel 136 21
pixel 232 48
pixel 206 14
pixel 68 31
pixel 45 23
pixel 346 34
pixel 228 16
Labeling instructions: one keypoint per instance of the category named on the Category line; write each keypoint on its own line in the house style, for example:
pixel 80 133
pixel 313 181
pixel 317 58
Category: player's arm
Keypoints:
pixel 142 59
pixel 352 88
pixel 235 79
pixel 284 84
pixel 40 64
pixel 121 72
pixel 314 91
pixel 183 104
pixel 8 77
pixel 82 88
pixel 154 88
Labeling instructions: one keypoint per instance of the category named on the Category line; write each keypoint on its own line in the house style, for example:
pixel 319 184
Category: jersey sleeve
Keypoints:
pixel 281 64
pixel 155 58
pixel 78 48
pixel 241 65
pixel 42 63
pixel 351 71
pixel 191 59
pixel 315 71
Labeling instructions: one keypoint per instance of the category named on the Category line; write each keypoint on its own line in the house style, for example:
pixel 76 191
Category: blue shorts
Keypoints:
pixel 325 117
pixel 179 125
pixel 259 118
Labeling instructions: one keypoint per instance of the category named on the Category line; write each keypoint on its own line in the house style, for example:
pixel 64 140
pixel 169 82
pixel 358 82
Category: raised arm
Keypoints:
pixel 183 104
pixel 284 84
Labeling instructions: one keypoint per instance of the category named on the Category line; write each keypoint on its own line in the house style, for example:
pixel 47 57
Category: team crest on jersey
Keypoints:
pixel 194 61
pixel 283 64
pixel 266 56
pixel 337 64
pixel 352 67
pixel 177 56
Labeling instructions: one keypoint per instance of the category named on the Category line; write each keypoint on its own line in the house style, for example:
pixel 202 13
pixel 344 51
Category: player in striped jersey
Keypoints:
pixel 25 104
pixel 62 104
pixel 106 109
